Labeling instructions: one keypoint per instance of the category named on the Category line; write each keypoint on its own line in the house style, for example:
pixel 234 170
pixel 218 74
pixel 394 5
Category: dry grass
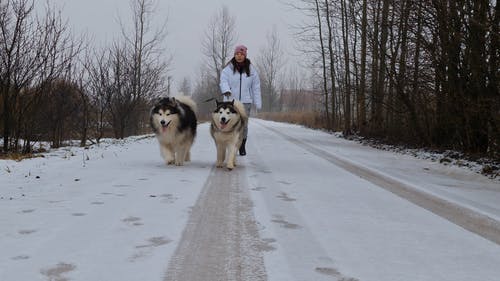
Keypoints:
pixel 309 119
pixel 19 156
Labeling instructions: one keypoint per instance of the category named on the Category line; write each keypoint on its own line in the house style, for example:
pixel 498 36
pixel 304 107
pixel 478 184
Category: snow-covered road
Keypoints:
pixel 302 205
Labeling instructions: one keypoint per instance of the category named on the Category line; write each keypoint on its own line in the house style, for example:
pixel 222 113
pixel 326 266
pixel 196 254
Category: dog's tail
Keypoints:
pixel 240 108
pixel 188 101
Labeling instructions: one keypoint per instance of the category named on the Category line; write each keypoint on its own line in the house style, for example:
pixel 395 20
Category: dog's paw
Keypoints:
pixel 219 165
pixel 179 163
pixel 170 162
pixel 230 166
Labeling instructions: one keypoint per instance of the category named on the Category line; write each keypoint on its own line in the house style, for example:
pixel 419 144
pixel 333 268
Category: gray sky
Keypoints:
pixel 186 22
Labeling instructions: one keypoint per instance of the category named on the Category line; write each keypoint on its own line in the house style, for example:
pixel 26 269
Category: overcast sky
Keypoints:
pixel 186 23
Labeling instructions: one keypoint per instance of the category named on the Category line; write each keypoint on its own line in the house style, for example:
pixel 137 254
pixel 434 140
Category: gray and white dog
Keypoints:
pixel 227 126
pixel 173 120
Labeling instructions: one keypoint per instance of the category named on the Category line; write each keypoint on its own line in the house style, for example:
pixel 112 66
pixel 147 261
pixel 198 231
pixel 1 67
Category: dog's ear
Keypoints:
pixel 155 102
pixel 232 102
pixel 217 103
pixel 173 101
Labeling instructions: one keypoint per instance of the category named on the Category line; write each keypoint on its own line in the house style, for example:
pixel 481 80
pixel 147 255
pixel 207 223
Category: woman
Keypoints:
pixel 240 81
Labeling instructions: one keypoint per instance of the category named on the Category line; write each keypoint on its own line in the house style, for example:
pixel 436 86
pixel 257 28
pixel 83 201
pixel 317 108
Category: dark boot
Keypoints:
pixel 242 148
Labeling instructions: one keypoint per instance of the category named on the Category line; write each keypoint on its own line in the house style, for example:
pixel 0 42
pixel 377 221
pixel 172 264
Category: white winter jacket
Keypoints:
pixel 242 87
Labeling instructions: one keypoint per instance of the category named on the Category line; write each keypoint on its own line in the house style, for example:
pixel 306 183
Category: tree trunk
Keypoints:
pixel 347 100
pixel 332 64
pixel 379 92
pixel 362 84
pixel 6 119
pixel 478 108
pixel 323 60
pixel 416 76
pixel 493 86
pixel 375 70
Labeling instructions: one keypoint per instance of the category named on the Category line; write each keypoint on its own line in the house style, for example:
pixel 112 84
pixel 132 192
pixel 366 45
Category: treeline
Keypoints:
pixel 55 86
pixel 418 72
pixel 424 72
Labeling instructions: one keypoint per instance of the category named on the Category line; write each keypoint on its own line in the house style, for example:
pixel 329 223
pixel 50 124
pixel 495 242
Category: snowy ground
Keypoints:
pixel 483 165
pixel 303 205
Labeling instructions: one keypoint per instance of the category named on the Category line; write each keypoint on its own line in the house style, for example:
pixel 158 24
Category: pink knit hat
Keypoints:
pixel 241 49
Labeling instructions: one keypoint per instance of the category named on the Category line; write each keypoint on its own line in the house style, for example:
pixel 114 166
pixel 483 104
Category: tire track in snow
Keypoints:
pixel 221 240
pixel 464 217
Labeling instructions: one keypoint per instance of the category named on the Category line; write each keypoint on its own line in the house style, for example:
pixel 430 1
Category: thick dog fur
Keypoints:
pixel 228 122
pixel 173 120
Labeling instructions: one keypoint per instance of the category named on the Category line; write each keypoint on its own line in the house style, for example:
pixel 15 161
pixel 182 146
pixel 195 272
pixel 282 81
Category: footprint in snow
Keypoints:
pixel 283 196
pixel 26 231
pixel 148 248
pixel 56 272
pixel 285 224
pixel 20 257
pixel 259 188
pixel 78 214
pixel 134 221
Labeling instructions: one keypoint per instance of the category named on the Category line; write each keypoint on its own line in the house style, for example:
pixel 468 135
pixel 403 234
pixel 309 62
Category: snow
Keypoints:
pixel 115 211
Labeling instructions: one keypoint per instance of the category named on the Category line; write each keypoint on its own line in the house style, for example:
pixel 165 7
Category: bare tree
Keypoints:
pixel 494 83
pixel 347 72
pixel 203 92
pixel 99 89
pixel 294 94
pixel 320 45
pixel 331 65
pixel 185 87
pixel 61 111
pixel 33 52
pixel 323 61
pixel 220 36
pixel 139 68
pixel 96 84
pixel 361 116
pixel 81 87
pixel 379 80
pixel 270 62
pixel 217 43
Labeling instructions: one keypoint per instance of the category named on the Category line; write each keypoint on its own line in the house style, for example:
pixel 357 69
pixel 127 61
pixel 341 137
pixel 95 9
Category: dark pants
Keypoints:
pixel 248 107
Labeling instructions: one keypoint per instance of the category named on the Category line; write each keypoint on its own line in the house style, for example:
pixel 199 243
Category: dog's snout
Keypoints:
pixel 162 122
pixel 223 119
